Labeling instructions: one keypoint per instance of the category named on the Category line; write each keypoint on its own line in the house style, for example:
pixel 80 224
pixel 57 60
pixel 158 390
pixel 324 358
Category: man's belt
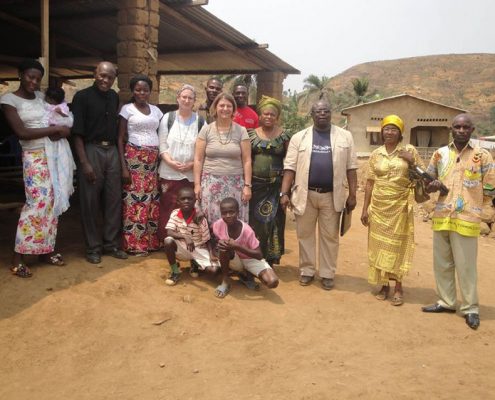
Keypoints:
pixel 320 190
pixel 104 143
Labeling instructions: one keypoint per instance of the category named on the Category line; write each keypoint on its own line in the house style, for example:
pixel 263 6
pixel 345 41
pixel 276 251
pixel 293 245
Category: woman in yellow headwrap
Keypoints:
pixel 268 147
pixel 388 211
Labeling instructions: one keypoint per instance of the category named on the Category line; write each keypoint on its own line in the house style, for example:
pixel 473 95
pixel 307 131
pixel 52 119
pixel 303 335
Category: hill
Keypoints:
pixel 461 80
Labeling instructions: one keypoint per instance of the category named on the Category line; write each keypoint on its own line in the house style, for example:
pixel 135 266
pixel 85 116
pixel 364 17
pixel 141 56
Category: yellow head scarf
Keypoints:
pixel 393 120
pixel 267 101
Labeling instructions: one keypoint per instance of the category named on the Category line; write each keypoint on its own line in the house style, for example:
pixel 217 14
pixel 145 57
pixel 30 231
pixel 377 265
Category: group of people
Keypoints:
pixel 212 187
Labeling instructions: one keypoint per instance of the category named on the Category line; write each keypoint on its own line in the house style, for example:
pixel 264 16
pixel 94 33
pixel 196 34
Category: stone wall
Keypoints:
pixel 137 41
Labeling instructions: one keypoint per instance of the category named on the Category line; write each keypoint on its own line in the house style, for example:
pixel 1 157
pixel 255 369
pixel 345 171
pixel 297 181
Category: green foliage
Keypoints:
pixel 314 85
pixel 249 80
pixel 492 116
pixel 360 87
pixel 292 120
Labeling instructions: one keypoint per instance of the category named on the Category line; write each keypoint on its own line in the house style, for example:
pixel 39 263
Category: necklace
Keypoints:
pixel 228 136
pixel 186 123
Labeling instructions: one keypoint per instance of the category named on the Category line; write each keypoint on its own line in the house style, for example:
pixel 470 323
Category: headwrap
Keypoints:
pixel 267 101
pixel 393 120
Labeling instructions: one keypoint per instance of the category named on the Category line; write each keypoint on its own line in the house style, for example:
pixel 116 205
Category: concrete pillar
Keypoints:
pixel 270 84
pixel 137 44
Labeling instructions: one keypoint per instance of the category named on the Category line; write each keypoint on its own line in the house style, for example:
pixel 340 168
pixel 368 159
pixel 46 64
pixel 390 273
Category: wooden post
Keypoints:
pixel 45 43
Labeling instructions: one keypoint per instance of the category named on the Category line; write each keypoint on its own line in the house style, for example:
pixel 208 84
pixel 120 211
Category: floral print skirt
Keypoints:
pixel 141 200
pixel 37 226
pixel 215 188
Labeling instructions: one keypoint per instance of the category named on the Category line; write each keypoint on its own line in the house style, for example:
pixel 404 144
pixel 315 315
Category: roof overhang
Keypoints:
pixel 82 33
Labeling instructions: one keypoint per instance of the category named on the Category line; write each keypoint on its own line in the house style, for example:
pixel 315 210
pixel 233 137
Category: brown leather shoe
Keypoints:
pixel 305 280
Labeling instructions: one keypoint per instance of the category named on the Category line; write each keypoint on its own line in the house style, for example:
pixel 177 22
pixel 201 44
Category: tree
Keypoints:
pixel 249 80
pixel 315 85
pixel 360 87
pixel 291 119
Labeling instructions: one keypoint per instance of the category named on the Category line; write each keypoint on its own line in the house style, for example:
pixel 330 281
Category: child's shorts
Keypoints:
pixel 200 254
pixel 249 264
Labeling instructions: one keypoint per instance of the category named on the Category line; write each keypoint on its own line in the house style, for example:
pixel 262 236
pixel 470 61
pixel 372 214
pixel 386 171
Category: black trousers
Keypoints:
pixel 101 199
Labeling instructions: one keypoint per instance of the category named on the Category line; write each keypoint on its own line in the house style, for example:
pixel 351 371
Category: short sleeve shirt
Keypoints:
pixel 32 114
pixel 95 114
pixel 223 152
pixel 142 128
pixel 247 238
pixel 246 117
pixel 200 234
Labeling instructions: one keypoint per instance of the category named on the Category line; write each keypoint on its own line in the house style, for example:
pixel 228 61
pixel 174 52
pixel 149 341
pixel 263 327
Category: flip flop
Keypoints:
pixel 22 271
pixel 383 294
pixel 222 290
pixel 398 299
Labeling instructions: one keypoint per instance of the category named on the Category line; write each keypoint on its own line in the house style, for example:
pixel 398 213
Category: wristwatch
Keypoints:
pixel 284 194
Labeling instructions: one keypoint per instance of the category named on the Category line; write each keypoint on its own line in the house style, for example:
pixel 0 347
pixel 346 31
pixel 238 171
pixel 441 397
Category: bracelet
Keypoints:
pixel 248 185
pixel 282 194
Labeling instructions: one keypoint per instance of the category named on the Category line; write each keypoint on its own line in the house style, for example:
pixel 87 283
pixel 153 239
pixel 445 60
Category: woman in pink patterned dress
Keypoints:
pixel 25 112
pixel 138 149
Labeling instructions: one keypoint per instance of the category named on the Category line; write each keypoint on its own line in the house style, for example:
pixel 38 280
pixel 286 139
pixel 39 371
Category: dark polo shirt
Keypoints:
pixel 96 114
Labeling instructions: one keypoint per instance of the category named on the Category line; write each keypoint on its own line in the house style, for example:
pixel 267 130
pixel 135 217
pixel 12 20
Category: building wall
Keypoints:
pixel 414 112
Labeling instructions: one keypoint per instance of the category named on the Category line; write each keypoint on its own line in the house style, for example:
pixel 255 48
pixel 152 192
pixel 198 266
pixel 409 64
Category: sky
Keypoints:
pixel 326 37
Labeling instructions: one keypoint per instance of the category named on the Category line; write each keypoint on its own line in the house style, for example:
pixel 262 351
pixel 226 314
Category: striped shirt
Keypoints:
pixel 200 234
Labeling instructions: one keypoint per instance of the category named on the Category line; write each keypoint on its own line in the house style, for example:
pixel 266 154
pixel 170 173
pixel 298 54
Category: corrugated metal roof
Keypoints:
pixel 191 39
pixel 343 112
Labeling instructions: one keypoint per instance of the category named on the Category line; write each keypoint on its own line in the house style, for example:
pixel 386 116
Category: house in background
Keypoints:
pixel 426 123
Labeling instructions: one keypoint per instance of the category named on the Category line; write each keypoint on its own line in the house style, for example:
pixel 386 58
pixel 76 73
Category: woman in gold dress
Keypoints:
pixel 388 210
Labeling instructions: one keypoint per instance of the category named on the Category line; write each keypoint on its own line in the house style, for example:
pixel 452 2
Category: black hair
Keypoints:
pixel 215 78
pixel 230 200
pixel 185 189
pixel 55 93
pixel 138 78
pixel 30 64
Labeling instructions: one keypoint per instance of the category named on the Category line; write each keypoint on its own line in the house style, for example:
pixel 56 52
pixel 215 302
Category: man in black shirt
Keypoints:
pixel 95 135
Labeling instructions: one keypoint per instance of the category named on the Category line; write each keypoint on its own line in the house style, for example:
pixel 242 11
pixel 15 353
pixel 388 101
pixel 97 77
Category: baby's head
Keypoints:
pixel 54 95
pixel 229 210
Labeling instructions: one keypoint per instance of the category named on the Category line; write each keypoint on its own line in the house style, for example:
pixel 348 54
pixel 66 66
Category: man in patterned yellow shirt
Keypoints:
pixel 465 169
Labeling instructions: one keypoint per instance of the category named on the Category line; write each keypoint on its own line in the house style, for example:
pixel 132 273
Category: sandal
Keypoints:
pixel 383 293
pixel 398 299
pixel 22 271
pixel 54 259
pixel 249 282
pixel 222 290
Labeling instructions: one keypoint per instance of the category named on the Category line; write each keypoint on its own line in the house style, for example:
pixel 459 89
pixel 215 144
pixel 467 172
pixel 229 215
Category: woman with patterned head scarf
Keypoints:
pixel 388 210
pixel 268 147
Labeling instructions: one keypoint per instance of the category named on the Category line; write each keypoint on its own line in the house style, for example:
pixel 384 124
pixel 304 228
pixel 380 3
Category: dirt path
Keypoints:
pixel 82 332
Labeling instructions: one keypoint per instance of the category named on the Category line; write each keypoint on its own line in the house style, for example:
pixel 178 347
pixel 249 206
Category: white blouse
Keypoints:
pixel 179 144
pixel 142 128
pixel 32 115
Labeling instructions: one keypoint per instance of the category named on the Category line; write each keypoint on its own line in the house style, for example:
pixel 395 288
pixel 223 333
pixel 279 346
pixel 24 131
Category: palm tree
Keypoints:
pixel 249 80
pixel 315 85
pixel 360 86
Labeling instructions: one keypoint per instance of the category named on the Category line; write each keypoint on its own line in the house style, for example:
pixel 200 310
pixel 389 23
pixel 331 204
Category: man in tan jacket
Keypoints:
pixel 318 161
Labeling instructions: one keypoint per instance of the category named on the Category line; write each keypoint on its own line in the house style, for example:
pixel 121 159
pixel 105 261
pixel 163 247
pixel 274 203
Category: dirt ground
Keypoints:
pixel 118 332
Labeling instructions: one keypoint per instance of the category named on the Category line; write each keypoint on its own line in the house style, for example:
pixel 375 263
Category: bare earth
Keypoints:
pixel 117 332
